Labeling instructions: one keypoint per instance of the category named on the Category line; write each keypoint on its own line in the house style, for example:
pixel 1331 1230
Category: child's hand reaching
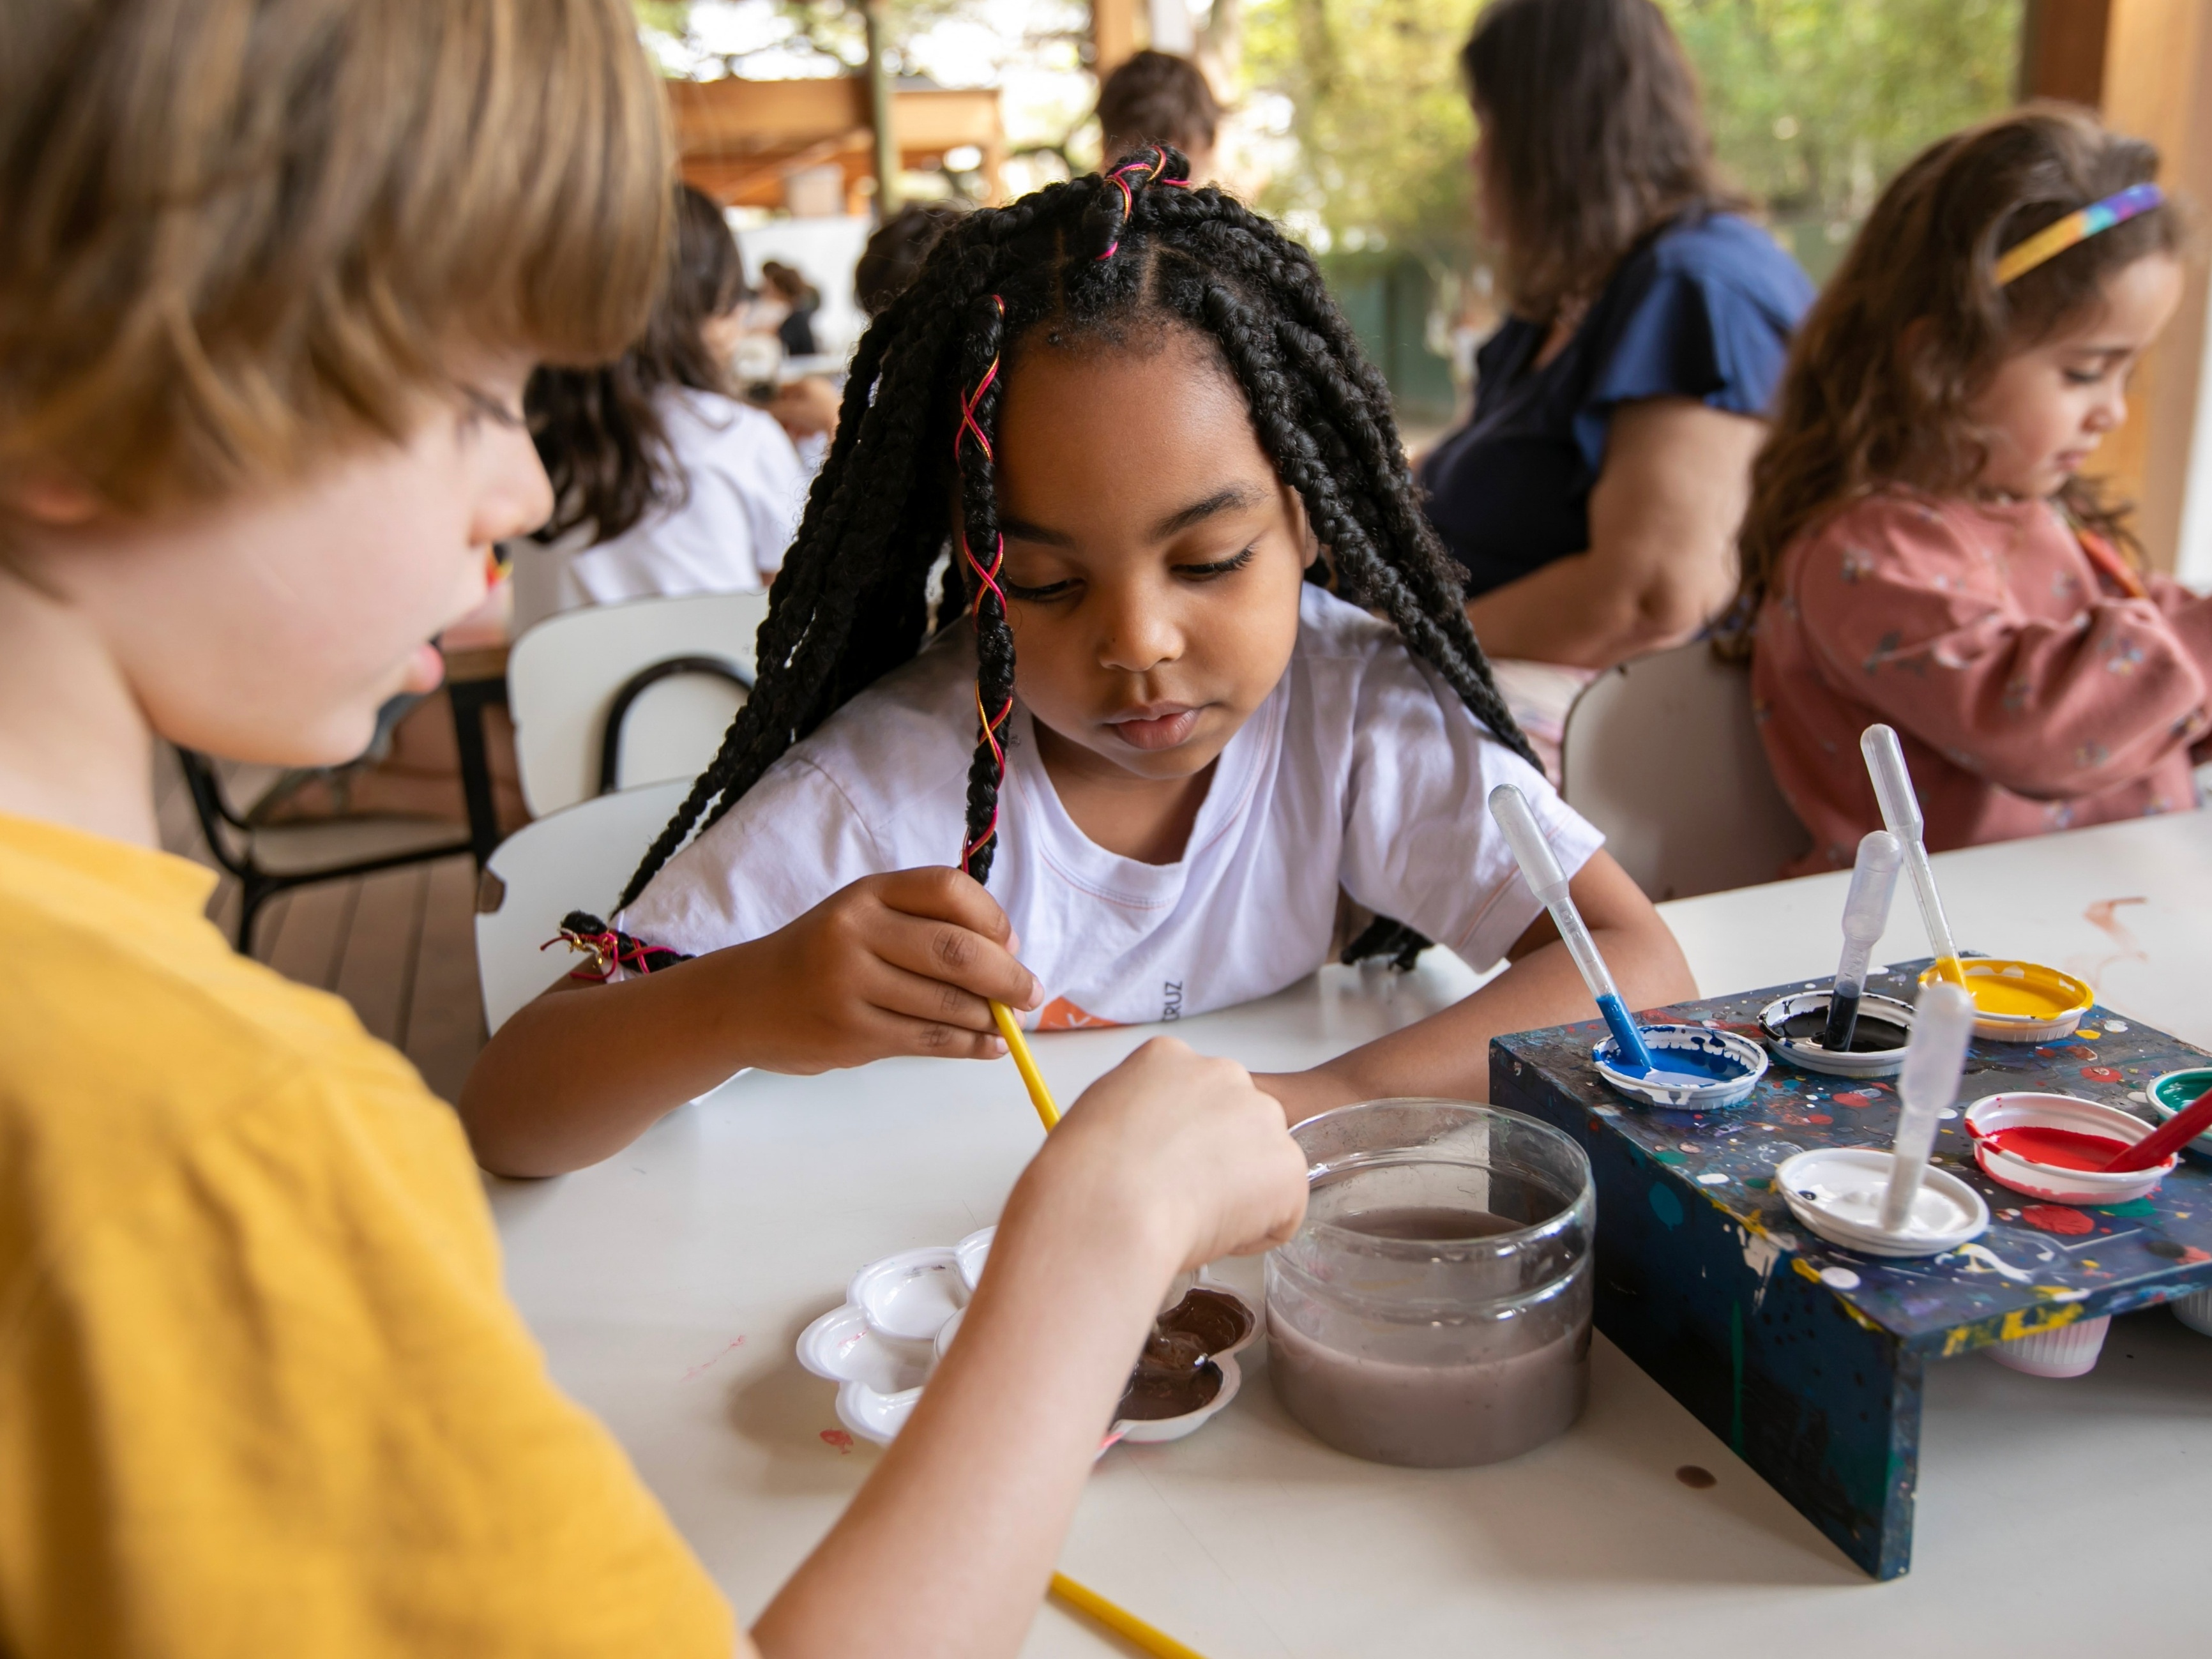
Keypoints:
pixel 1169 1160
pixel 905 963
pixel 1185 1153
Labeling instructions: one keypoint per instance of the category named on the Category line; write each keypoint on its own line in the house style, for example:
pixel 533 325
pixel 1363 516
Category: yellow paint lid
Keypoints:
pixel 2021 999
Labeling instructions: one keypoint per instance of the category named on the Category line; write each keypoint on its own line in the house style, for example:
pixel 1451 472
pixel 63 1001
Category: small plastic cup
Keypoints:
pixel 2062 1351
pixel 2194 1312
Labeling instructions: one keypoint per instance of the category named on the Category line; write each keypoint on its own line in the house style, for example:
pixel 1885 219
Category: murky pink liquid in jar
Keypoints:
pixel 1496 1399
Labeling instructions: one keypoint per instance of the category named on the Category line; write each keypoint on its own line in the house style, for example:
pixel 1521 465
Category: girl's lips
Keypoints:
pixel 1163 730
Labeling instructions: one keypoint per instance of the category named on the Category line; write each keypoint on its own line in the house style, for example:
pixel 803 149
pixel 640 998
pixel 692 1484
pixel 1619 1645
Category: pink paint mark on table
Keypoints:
pixel 2104 917
pixel 837 1437
pixel 2057 1219
pixel 706 1364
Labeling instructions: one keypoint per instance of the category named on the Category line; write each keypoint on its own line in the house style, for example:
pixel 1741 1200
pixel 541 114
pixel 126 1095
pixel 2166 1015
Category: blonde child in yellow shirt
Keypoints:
pixel 273 276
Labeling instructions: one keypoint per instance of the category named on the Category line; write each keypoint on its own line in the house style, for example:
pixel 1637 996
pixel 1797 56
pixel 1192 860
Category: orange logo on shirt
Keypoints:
pixel 1061 1015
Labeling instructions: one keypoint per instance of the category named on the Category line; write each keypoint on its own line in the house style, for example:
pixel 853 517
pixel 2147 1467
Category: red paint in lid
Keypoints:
pixel 2057 1149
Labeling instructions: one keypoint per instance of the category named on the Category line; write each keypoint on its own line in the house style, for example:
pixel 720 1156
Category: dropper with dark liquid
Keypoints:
pixel 1866 913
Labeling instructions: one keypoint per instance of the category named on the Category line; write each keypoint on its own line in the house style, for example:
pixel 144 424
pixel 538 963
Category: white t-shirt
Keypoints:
pixel 1362 769
pixel 747 490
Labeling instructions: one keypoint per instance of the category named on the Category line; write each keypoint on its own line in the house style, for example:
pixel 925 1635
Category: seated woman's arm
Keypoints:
pixel 1663 516
pixel 896 964
pixel 1447 1054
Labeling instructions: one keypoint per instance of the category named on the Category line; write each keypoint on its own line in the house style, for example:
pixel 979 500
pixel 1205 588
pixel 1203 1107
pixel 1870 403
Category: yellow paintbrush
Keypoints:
pixel 1155 1642
pixel 1026 1063
pixel 1115 1618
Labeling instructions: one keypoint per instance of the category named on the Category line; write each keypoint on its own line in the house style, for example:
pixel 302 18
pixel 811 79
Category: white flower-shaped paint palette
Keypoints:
pixel 900 1316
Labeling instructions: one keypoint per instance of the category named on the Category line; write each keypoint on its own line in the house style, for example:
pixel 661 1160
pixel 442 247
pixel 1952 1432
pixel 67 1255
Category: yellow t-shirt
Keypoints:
pixel 260 1389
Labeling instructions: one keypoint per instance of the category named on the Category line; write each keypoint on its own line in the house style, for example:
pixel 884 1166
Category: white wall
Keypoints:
pixel 826 250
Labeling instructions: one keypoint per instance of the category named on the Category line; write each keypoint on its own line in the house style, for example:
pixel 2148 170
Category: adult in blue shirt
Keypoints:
pixel 1594 495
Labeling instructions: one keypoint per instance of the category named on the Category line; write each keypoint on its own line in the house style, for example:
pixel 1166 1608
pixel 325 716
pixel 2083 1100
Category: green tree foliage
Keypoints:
pixel 1814 105
pixel 1380 124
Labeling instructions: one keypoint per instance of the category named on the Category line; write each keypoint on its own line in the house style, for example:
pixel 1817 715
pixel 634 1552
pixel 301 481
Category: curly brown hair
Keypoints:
pixel 1913 324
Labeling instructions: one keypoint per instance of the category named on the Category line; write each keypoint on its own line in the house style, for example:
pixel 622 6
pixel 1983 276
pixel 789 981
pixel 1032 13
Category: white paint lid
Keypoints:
pixel 1837 1192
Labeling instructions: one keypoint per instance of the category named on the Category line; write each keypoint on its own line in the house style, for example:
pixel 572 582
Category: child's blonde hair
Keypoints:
pixel 1915 321
pixel 240 233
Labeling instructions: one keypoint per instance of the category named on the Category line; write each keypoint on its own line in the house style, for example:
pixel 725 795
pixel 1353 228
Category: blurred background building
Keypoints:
pixel 1348 120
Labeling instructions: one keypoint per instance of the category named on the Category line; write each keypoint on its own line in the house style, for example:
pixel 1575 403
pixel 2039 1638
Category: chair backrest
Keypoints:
pixel 1662 755
pixel 577 859
pixel 564 674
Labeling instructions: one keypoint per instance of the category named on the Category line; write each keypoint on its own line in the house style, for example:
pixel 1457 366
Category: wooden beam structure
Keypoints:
pixel 739 140
pixel 2145 66
pixel 1112 34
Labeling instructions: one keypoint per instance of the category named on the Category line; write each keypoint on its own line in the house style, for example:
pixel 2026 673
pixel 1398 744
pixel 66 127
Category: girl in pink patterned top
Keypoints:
pixel 1921 548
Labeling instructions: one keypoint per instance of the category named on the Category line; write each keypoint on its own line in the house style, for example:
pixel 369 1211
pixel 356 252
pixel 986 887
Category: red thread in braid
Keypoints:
pixel 607 949
pixel 1120 181
pixel 985 579
pixel 973 401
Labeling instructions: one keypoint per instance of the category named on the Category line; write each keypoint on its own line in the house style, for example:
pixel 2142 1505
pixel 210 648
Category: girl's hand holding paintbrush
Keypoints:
pixel 1168 1161
pixel 904 963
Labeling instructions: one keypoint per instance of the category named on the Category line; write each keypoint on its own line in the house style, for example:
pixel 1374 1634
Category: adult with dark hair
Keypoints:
pixel 664 482
pixel 1200 665
pixel 1157 98
pixel 1592 496
pixel 893 257
pixel 788 285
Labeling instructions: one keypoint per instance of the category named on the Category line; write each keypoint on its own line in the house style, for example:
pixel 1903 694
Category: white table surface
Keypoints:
pixel 668 1283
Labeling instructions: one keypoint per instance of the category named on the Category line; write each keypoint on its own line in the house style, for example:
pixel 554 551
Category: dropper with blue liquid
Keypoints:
pixel 1542 872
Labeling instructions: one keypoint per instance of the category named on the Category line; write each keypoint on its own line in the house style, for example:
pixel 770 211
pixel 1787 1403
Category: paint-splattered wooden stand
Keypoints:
pixel 1807 1359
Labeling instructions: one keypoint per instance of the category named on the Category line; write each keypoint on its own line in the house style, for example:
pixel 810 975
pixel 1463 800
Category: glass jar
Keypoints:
pixel 1434 1309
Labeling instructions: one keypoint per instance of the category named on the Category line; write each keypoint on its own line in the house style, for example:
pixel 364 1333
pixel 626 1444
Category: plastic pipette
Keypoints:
pixel 1542 872
pixel 1942 1020
pixel 1866 913
pixel 1900 811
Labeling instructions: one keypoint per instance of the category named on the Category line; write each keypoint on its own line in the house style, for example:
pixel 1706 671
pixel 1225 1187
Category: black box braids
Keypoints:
pixel 1097 257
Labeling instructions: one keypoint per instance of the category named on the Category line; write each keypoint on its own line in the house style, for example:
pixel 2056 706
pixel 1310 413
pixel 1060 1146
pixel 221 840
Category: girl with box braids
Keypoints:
pixel 1103 258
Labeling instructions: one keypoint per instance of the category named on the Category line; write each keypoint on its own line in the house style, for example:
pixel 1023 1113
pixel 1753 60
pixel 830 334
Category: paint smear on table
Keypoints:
pixel 837 1437
pixel 708 1364
pixel 2103 915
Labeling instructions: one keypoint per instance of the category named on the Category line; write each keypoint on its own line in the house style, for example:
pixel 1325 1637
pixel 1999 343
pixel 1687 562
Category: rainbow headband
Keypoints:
pixel 2054 240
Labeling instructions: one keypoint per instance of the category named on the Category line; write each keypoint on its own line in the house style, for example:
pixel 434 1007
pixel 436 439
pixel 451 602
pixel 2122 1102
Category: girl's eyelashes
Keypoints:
pixel 1034 595
pixel 1061 589
pixel 1217 567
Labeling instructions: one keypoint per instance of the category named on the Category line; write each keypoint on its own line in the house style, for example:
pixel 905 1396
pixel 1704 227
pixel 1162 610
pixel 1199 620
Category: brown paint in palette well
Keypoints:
pixel 1175 1374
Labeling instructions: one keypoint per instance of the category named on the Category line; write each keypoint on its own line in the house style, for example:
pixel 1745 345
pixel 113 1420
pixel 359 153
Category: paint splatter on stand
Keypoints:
pixel 1807 1358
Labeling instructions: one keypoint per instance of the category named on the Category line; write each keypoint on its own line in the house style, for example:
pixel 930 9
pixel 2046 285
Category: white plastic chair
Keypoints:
pixel 1662 755
pixel 566 676
pixel 577 859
